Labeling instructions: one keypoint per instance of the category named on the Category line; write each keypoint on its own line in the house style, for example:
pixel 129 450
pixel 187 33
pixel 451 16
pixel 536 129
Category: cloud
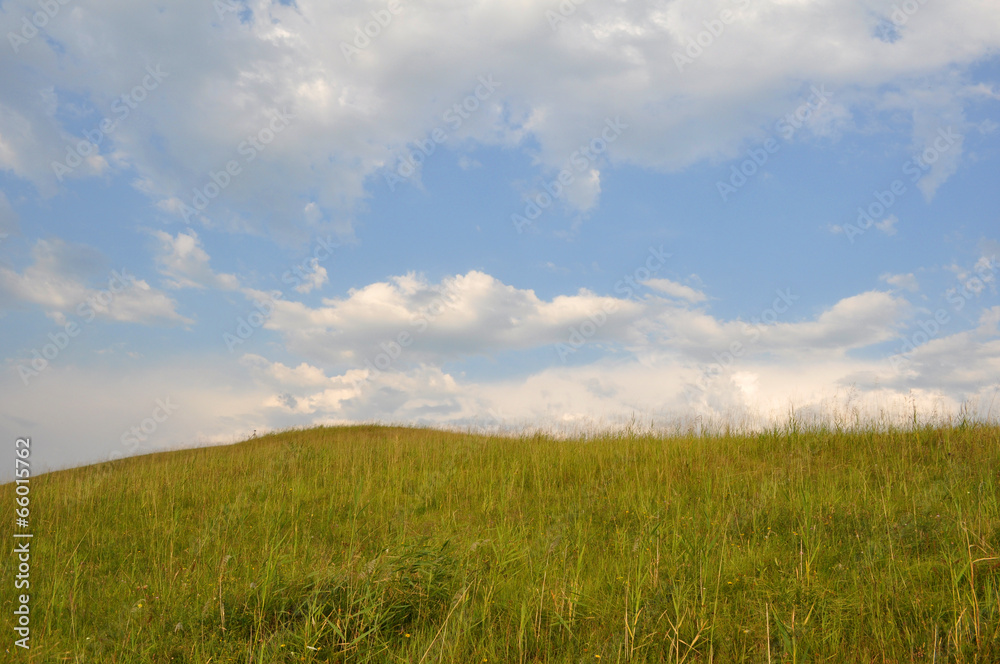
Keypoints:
pixel 585 190
pixel 185 264
pixel 671 380
pixel 963 362
pixel 314 279
pixel 349 118
pixel 680 382
pixel 267 395
pixel 460 316
pixel 972 281
pixel 304 375
pixel 903 281
pixel 676 290
pixel 888 225
pixel 84 409
pixel 408 321
pixel 854 322
pixel 59 280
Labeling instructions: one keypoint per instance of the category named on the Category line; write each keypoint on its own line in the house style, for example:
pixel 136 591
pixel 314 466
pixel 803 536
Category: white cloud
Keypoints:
pixel 973 281
pixel 58 281
pixel 674 384
pixel 903 281
pixel 585 190
pixel 460 316
pixel 676 380
pixel 83 410
pixel 313 279
pixel 958 362
pixel 888 225
pixel 185 264
pixel 676 290
pixel 409 322
pixel 304 375
pixel 939 127
pixel 556 89
pixel 853 322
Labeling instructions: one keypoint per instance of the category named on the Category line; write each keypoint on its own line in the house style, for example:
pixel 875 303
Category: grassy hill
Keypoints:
pixel 379 544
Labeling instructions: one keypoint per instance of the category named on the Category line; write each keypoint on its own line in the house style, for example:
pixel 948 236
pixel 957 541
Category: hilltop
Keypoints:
pixel 386 544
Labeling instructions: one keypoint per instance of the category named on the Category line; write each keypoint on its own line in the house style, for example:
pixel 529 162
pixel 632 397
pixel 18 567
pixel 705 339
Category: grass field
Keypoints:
pixel 380 544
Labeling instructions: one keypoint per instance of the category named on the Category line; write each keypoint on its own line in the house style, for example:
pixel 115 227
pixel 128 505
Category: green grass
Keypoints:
pixel 380 544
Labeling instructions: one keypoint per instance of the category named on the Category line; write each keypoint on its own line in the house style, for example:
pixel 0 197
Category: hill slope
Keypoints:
pixel 378 544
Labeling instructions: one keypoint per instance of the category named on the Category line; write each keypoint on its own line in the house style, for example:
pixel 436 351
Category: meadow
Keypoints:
pixel 387 544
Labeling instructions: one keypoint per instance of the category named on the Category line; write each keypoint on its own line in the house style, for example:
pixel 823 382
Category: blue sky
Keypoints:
pixel 225 217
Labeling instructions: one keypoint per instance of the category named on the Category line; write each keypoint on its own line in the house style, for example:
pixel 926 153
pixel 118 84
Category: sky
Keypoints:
pixel 221 217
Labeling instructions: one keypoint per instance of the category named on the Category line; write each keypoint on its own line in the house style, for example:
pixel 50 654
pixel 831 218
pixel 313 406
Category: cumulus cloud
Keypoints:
pixel 185 263
pixel 888 225
pixel 344 120
pixel 962 361
pixel 902 281
pixel 408 321
pixel 69 278
pixel 458 317
pixel 689 373
pixel 313 279
pixel 676 290
pixel 853 322
pixel 85 410
pixel 694 379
